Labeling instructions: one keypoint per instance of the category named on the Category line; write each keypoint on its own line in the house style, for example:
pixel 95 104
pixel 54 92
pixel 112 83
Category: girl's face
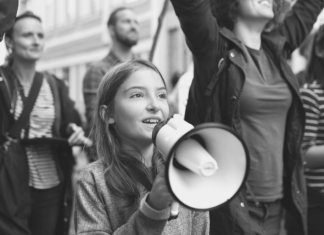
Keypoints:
pixel 140 103
pixel 256 9
pixel 27 40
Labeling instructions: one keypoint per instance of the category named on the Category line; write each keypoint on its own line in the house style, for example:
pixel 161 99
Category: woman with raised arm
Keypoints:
pixel 125 191
pixel 242 79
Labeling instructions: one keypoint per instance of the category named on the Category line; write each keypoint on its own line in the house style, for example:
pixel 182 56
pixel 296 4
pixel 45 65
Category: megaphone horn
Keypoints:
pixel 206 165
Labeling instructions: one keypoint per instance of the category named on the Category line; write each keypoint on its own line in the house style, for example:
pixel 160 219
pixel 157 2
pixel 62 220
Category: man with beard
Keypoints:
pixel 124 32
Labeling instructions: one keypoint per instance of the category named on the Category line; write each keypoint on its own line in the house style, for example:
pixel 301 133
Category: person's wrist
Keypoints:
pixel 152 204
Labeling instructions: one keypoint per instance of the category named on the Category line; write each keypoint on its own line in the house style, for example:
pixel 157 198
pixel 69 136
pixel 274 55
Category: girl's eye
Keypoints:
pixel 137 95
pixel 163 95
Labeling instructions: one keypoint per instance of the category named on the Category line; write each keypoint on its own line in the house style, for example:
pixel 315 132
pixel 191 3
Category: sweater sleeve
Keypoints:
pixel 92 217
pixel 200 223
pixel 312 110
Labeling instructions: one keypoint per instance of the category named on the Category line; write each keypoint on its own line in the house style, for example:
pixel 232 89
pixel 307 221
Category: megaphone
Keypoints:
pixel 206 165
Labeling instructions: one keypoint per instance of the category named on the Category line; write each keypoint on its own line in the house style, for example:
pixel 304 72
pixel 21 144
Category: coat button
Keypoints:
pixel 1 79
pixel 220 63
pixel 242 204
pixel 298 192
pixel 232 54
pixel 233 99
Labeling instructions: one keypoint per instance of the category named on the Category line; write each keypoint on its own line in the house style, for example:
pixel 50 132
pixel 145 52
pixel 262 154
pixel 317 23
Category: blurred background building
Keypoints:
pixel 76 35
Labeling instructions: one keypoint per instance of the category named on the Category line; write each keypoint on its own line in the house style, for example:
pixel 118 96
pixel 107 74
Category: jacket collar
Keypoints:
pixel 231 37
pixel 277 42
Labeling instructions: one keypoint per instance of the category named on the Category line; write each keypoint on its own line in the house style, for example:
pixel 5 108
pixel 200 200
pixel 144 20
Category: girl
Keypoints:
pixel 242 79
pixel 110 198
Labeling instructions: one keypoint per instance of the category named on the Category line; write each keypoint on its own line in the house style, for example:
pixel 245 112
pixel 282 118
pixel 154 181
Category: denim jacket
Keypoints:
pixel 219 76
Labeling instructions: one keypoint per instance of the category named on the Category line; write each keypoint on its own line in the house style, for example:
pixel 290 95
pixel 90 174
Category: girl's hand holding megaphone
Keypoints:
pixel 160 196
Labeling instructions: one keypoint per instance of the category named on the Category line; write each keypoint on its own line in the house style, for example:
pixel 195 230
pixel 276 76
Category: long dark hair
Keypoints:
pixel 226 11
pixel 119 163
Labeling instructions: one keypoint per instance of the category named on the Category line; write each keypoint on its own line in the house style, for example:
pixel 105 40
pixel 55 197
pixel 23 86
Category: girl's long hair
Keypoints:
pixel 119 163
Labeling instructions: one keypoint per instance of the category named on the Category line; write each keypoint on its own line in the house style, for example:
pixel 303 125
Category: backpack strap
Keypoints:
pixel 14 132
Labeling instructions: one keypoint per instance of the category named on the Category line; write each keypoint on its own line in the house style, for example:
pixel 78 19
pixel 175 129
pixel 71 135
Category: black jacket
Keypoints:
pixel 64 114
pixel 219 76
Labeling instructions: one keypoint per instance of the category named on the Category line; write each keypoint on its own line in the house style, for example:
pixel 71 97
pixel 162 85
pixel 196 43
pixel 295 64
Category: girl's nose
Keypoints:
pixel 153 105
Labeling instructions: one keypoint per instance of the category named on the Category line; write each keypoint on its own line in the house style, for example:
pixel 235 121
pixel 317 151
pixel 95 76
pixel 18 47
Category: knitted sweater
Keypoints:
pixel 98 211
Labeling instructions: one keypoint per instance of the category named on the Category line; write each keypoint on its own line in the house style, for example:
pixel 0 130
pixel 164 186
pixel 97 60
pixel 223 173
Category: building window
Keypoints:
pixel 50 14
pixel 61 12
pixel 85 7
pixel 71 9
pixel 96 6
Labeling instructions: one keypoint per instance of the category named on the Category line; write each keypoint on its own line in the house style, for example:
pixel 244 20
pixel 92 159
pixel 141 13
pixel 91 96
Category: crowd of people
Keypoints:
pixel 240 77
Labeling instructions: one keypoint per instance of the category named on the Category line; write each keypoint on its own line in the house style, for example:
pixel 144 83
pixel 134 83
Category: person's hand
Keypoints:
pixel 77 137
pixel 160 196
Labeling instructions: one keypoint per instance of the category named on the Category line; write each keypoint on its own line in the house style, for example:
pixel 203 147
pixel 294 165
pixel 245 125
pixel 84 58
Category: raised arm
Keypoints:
pixel 198 24
pixel 300 21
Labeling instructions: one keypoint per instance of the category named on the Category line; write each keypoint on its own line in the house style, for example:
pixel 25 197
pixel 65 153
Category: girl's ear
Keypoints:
pixel 103 112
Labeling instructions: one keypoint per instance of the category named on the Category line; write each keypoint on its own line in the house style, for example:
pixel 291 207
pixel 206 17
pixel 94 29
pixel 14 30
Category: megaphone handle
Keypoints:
pixel 174 210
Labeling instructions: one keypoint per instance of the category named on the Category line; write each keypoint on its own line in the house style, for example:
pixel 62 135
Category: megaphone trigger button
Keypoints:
pixel 172 217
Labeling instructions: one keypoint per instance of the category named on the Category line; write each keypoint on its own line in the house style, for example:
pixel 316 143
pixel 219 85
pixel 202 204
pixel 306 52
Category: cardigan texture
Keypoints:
pixel 98 211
